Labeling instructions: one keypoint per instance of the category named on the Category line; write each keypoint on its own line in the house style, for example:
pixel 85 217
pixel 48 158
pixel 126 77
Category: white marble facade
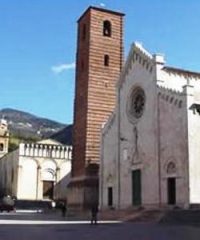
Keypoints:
pixel 36 171
pixel 150 152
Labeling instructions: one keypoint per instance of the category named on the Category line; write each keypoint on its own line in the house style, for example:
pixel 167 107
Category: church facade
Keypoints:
pixel 36 171
pixel 150 146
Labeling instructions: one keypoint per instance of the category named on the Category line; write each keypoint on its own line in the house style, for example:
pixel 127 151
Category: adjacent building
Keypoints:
pixel 36 171
pixel 4 137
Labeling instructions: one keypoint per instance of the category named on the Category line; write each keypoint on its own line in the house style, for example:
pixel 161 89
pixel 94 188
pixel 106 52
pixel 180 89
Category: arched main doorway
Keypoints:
pixel 136 187
pixel 48 179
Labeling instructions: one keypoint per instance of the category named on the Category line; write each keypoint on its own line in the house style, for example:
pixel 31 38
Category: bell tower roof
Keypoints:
pixel 101 10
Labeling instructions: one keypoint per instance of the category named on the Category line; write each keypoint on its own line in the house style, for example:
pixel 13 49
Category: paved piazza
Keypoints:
pixel 44 226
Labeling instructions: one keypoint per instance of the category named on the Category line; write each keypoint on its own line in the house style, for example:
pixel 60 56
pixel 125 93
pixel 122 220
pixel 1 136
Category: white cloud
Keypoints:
pixel 102 4
pixel 63 67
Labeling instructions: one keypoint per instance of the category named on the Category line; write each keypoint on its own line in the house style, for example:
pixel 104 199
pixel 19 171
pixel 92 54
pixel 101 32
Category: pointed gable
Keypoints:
pixel 138 54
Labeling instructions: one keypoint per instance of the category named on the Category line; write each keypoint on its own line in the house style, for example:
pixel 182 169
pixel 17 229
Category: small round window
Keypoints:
pixel 136 103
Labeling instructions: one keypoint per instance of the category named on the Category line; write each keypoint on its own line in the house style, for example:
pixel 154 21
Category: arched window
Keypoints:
pixel 171 168
pixel 106 60
pixel 84 32
pixel 1 146
pixel 107 28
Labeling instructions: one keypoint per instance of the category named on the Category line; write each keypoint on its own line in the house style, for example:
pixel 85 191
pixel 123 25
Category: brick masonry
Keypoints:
pixel 95 92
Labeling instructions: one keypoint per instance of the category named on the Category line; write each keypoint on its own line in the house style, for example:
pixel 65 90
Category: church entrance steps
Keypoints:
pixel 182 217
pixel 162 215
pixel 103 215
pixel 145 216
pixel 121 215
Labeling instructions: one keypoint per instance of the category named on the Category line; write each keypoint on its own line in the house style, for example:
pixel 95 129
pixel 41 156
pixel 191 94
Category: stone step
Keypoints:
pixel 191 216
pixel 145 216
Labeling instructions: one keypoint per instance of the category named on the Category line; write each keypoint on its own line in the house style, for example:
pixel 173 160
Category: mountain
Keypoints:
pixel 28 126
pixel 64 135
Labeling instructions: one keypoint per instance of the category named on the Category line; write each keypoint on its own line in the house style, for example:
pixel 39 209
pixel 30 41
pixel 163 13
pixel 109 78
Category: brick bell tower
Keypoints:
pixel 99 61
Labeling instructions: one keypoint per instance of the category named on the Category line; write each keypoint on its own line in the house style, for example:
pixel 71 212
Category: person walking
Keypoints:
pixel 63 209
pixel 94 213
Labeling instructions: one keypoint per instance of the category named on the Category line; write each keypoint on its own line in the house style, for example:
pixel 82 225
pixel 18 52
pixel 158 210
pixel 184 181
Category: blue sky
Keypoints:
pixel 38 46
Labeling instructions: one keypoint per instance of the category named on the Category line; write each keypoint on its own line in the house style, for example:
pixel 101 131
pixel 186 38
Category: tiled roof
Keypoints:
pixel 180 71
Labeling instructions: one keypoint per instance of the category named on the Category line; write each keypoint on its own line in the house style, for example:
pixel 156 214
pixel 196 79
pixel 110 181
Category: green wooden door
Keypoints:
pixel 136 187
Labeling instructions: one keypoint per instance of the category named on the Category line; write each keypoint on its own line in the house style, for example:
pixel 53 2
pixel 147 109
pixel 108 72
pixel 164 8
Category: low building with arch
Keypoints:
pixel 4 137
pixel 36 171
pixel 150 147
